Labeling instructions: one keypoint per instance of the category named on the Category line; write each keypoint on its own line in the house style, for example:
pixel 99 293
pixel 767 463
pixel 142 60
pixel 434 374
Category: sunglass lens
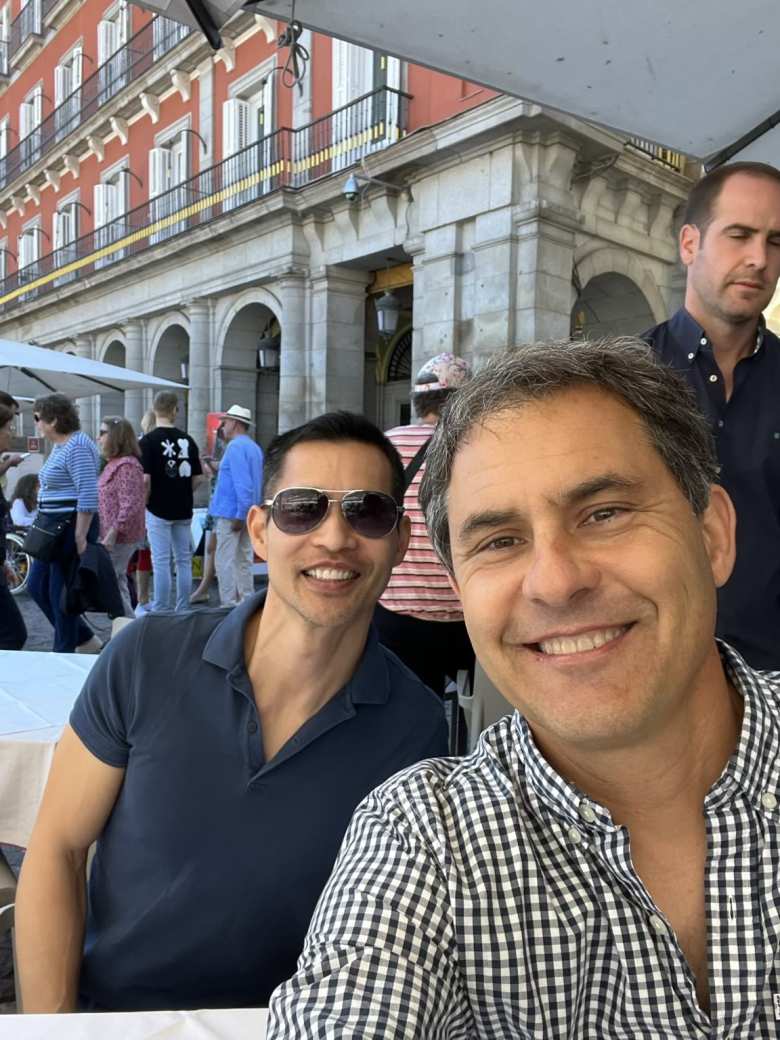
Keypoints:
pixel 371 514
pixel 298 510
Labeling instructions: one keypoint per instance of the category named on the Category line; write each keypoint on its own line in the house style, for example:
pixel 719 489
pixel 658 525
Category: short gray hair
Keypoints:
pixel 624 367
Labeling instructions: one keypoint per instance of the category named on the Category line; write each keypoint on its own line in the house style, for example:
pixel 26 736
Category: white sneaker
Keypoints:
pixel 141 609
pixel 92 646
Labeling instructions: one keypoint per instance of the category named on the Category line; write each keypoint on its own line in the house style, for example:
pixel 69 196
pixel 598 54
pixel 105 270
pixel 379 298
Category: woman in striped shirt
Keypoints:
pixel 68 487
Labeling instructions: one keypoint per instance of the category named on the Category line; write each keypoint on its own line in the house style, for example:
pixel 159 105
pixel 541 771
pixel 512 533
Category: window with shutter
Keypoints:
pixel 65 228
pixel 159 178
pixel 236 114
pixel 353 76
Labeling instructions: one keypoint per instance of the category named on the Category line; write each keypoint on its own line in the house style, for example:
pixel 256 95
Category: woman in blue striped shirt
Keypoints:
pixel 68 487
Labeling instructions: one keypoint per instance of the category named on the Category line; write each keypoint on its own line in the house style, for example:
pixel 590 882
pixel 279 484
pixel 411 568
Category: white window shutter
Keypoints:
pixel 340 73
pixel 122 25
pixel 100 205
pixel 3 141
pixel 37 108
pixel 159 166
pixel 61 84
pixel 269 122
pixel 24 120
pixel 75 69
pixel 106 40
pixel 235 126
pixel 59 230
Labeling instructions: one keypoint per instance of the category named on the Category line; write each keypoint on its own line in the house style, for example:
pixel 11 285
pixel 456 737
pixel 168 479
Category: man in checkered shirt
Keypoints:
pixel 607 863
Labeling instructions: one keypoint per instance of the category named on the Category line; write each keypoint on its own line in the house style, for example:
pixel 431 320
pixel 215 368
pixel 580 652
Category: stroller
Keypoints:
pixel 18 562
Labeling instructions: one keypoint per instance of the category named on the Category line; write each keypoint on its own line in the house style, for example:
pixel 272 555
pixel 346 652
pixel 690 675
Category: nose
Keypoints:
pixel 757 253
pixel 334 533
pixel 559 572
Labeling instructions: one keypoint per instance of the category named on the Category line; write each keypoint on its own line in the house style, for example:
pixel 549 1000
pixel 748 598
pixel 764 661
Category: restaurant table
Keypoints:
pixel 230 1024
pixel 37 691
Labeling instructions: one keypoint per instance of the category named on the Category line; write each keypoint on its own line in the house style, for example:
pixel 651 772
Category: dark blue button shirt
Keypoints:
pixel 747 433
pixel 212 860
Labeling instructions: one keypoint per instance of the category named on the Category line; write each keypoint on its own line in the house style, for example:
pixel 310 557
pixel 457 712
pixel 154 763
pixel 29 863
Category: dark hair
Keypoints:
pixel 430 402
pixel 699 209
pixel 7 415
pixel 26 489
pixel 624 367
pixel 60 410
pixel 8 401
pixel 332 427
pixel 120 439
pixel 165 403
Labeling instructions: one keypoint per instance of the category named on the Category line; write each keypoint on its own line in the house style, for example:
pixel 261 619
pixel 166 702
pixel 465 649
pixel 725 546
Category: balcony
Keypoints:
pixel 286 158
pixel 122 68
pixel 665 156
pixel 26 33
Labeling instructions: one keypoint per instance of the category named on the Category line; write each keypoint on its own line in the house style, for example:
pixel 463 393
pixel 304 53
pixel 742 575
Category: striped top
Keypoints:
pixel 419 586
pixel 69 478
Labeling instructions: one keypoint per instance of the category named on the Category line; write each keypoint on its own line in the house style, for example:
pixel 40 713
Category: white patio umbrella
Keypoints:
pixel 696 76
pixel 29 372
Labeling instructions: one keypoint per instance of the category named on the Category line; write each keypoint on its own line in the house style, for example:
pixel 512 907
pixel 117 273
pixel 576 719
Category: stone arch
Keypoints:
pixel 170 358
pixel 240 379
pixel 610 260
pixel 157 330
pixel 112 351
pixel 107 342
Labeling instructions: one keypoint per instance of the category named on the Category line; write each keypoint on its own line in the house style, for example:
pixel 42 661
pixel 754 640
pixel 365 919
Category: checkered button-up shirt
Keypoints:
pixel 488 898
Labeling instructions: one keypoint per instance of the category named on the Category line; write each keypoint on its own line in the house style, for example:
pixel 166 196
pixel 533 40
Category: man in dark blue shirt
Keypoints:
pixel 216 757
pixel 730 244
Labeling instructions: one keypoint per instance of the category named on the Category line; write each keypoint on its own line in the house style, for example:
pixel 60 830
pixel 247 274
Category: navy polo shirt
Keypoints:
pixel 212 860
pixel 747 434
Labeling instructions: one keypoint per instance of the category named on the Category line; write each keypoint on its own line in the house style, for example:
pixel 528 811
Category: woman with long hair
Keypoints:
pixel 68 492
pixel 24 501
pixel 13 633
pixel 122 498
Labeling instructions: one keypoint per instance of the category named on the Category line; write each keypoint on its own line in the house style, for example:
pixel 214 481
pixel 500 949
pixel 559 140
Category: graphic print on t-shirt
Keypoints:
pixel 171 459
pixel 177 465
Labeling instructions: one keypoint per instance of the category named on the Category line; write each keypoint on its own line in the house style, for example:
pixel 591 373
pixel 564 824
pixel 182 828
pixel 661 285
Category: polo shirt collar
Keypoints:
pixel 753 770
pixel 692 338
pixel 370 682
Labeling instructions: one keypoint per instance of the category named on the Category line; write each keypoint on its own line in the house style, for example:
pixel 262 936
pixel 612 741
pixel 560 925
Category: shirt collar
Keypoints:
pixel 692 338
pixel 370 682
pixel 753 769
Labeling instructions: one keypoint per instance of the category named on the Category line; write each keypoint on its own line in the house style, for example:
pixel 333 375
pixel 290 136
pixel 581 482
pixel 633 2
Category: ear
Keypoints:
pixel 690 240
pixel 719 527
pixel 404 534
pixel 257 525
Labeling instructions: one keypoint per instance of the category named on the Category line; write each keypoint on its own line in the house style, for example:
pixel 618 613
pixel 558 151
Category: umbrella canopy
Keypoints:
pixel 696 76
pixel 30 372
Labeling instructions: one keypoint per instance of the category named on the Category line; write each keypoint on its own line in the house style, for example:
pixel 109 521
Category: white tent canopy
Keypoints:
pixel 30 372
pixel 695 76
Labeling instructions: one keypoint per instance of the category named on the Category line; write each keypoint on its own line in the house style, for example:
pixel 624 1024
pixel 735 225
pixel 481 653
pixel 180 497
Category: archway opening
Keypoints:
pixel 244 381
pixel 171 361
pixel 113 401
pixel 610 305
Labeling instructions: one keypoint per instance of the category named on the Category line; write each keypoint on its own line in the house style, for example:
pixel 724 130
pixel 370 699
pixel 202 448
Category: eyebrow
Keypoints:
pixel 488 519
pixel 751 230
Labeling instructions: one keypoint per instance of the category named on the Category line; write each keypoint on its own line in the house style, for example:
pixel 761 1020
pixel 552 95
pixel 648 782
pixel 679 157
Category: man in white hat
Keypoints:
pixel 239 487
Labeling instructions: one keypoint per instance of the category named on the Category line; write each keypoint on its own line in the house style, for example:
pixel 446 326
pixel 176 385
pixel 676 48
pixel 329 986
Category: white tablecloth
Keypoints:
pixel 37 691
pixel 241 1024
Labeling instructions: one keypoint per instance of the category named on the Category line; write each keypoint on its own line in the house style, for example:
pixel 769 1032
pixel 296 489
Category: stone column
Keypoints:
pixel 544 262
pixel 435 259
pixel 293 364
pixel 200 315
pixel 86 405
pixel 134 360
pixel 337 351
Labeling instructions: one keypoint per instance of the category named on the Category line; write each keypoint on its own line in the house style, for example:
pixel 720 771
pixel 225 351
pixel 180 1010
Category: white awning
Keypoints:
pixel 29 372
pixel 695 76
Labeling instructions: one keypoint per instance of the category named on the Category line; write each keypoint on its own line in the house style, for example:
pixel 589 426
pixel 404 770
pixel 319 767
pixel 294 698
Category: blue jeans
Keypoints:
pixel 170 538
pixel 46 584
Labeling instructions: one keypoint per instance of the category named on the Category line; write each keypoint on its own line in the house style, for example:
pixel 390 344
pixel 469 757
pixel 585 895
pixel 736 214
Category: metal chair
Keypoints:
pixel 482 706
pixel 7 928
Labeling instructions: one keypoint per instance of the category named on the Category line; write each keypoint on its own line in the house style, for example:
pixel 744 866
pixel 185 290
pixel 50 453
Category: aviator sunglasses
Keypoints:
pixel 298 510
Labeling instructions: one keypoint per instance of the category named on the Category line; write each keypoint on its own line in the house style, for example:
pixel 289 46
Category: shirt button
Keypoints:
pixel 703 341
pixel 574 835
pixel 713 379
pixel 252 727
pixel 691 356
pixel 721 424
pixel 658 925
pixel 586 813
pixel 769 801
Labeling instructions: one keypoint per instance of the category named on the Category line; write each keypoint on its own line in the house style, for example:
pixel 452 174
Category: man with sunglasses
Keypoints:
pixel 216 757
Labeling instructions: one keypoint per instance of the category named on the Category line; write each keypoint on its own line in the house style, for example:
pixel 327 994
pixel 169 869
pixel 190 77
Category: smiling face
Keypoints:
pixel 331 576
pixel 734 266
pixel 588 584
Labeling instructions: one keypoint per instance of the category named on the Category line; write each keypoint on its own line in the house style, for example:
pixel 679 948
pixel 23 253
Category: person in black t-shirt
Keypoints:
pixel 172 470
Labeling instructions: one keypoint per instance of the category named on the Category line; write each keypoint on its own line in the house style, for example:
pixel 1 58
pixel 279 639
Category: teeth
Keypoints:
pixel 579 644
pixel 330 574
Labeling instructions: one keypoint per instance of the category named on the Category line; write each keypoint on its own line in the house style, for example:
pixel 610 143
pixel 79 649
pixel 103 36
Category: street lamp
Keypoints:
pixel 269 349
pixel 388 309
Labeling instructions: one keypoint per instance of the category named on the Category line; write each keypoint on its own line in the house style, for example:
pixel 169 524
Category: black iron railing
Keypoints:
pixel 121 69
pixel 284 159
pixel 665 156
pixel 27 23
